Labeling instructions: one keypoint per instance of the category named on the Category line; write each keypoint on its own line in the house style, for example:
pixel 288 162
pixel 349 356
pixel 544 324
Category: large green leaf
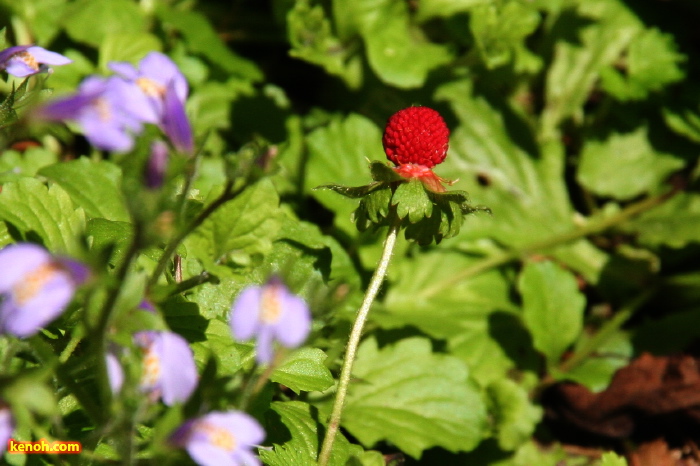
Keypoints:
pixel 552 307
pixel 675 223
pixel 91 21
pixel 302 423
pixel 397 50
pixel 514 413
pixel 625 165
pixel 242 227
pixel 304 370
pixel 474 315
pixel 93 185
pixel 525 186
pixel 338 153
pixel 577 63
pixel 414 398
pixel 49 213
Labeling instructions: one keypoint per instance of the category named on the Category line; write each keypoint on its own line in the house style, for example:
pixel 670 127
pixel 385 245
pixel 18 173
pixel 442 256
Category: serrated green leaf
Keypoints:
pixel 414 398
pixel 500 32
pixel 47 212
pixel 597 370
pixel 382 172
pixel 103 233
pixel 397 51
pixel 674 223
pixel 92 21
pixel 14 165
pixel 93 185
pixel 338 154
pixel 473 315
pixel 219 343
pixel 311 38
pixel 126 46
pixel 577 64
pixel 202 38
pixel 304 370
pixel 610 458
pixel 412 201
pixel 652 63
pixel 245 225
pixel 624 165
pixel 552 307
pixel 526 189
pixel 514 414
pixel 301 421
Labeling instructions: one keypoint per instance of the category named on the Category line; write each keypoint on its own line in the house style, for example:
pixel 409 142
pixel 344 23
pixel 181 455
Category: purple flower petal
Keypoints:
pixel 245 313
pixel 35 288
pixel 124 69
pixel 293 325
pixel 175 123
pixel 46 56
pixel 221 438
pixel 115 372
pixel 7 426
pixel 160 68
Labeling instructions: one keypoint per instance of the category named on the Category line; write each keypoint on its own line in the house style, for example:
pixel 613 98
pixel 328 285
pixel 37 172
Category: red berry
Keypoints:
pixel 416 135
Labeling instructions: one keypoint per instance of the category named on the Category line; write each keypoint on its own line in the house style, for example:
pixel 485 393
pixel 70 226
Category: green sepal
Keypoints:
pixel 425 215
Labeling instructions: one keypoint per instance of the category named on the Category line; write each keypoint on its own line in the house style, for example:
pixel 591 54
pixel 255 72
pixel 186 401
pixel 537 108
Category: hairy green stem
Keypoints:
pixel 354 342
pixel 595 226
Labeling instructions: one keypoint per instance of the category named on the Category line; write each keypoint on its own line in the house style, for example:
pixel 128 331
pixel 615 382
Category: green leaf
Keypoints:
pixel 673 224
pixel 92 21
pixel 412 201
pixel 552 307
pixel 445 8
pixel 500 32
pixel 610 458
pixel 397 51
pixel 474 315
pixel 311 38
pixel 624 165
pixel 220 344
pixel 301 421
pixel 414 398
pixel 246 225
pixel 103 233
pixel 597 370
pixel 577 64
pixel 304 370
pixel 47 212
pixel 515 416
pixel 338 153
pixel 126 46
pixel 93 185
pixel 652 63
pixel 526 188
pixel 201 37
pixel 15 165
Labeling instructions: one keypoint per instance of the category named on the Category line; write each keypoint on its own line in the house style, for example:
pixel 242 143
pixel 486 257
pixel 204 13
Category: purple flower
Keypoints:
pixel 220 439
pixel 26 60
pixel 35 286
pixel 156 166
pixel 270 312
pixel 165 87
pixel 7 426
pixel 107 110
pixel 169 371
pixel 115 372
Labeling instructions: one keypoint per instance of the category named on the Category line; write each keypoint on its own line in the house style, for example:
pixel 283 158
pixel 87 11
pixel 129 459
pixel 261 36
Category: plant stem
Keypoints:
pixel 595 226
pixel 354 341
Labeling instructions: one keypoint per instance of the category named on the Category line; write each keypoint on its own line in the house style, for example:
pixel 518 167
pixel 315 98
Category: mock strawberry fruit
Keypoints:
pixel 416 135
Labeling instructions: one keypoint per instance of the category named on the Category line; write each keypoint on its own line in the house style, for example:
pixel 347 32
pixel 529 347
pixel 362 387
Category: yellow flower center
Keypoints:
pixel 151 369
pixel 218 436
pixel 270 304
pixel 33 282
pixel 151 88
pixel 28 59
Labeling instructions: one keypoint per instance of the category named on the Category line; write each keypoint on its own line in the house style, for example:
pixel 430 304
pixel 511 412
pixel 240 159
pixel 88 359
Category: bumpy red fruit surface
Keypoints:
pixel 416 135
